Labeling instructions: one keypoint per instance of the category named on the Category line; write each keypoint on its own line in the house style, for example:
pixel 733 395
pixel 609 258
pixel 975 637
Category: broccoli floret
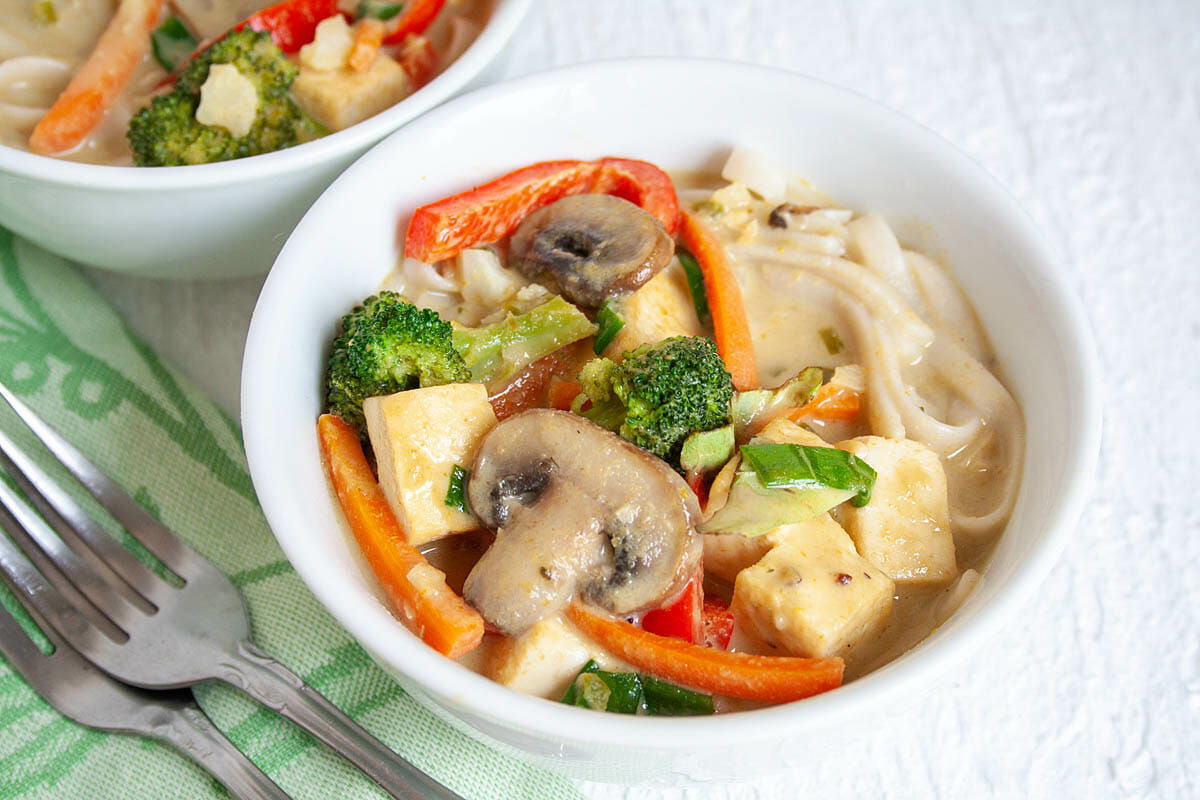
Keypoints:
pixel 659 393
pixel 166 133
pixel 388 345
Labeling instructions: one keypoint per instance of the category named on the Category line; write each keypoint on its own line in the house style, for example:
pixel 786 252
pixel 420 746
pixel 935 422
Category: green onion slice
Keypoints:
pixel 610 323
pixel 378 10
pixel 618 692
pixel 695 279
pixel 633 693
pixel 785 465
pixel 44 12
pixel 833 342
pixel 172 43
pixel 456 492
pixel 668 700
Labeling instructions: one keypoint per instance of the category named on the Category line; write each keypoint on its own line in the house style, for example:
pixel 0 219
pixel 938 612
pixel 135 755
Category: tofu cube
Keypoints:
pixel 418 437
pixel 727 554
pixel 342 97
pixel 782 430
pixel 545 659
pixel 812 594
pixel 661 308
pixel 905 529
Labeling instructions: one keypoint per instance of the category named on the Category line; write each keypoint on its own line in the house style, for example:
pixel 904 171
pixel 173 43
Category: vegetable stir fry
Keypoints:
pixel 622 468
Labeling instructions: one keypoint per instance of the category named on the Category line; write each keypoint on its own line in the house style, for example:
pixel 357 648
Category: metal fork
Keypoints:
pixel 85 694
pixel 143 630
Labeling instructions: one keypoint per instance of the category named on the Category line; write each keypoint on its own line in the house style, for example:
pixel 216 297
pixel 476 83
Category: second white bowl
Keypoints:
pixel 211 220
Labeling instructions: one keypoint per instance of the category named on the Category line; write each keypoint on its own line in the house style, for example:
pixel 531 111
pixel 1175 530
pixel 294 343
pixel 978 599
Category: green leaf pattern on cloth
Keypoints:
pixel 65 351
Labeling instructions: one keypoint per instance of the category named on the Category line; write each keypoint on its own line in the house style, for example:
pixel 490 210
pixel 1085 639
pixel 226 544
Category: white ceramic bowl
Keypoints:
pixel 211 220
pixel 679 114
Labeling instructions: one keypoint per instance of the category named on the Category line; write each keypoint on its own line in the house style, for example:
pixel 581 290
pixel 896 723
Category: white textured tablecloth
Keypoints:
pixel 1089 113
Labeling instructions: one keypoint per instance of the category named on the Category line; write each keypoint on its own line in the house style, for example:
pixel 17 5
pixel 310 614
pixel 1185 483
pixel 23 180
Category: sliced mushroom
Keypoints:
pixel 781 216
pixel 576 508
pixel 588 247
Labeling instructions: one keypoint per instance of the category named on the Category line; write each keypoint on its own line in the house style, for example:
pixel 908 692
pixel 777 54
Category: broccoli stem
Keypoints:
pixel 494 353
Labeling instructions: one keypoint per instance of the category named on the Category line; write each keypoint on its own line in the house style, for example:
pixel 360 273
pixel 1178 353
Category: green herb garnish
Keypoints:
pixel 781 466
pixel 609 323
pixel 695 279
pixel 44 12
pixel 456 492
pixel 378 10
pixel 633 693
pixel 833 342
pixel 172 43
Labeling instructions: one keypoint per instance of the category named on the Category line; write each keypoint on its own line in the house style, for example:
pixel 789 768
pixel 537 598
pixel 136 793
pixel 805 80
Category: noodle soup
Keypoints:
pixel 714 439
pixel 46 44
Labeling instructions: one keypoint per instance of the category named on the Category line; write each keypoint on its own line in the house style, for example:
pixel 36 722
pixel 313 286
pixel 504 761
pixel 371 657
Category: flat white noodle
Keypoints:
pixel 888 333
pixel 11 46
pixel 822 243
pixel 880 299
pixel 954 596
pixel 884 376
pixel 463 32
pixel 948 309
pixel 873 244
pixel 28 87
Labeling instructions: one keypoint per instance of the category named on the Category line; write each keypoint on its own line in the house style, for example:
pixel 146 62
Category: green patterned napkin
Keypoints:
pixel 67 353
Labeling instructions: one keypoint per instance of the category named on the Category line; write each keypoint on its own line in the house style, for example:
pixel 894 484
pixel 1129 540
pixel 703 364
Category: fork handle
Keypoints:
pixel 280 689
pixel 194 735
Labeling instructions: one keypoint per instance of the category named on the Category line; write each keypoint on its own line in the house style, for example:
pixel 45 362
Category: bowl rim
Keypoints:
pixel 948 645
pixel 501 25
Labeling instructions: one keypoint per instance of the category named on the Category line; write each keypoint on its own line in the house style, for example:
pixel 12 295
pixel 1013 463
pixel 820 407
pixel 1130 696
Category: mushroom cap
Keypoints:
pixel 588 247
pixel 576 509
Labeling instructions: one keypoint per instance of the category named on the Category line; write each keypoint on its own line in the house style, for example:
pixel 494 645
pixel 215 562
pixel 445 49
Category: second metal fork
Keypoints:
pixel 85 694
pixel 143 630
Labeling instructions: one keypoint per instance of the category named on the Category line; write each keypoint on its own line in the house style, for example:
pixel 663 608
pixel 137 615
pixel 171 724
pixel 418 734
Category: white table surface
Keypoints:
pixel 1089 113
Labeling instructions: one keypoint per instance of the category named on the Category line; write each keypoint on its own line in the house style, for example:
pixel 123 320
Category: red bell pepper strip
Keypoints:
pixel 563 393
pixel 490 212
pixel 291 23
pixel 642 184
pixel 717 622
pixel 419 58
pixel 415 18
pixel 681 618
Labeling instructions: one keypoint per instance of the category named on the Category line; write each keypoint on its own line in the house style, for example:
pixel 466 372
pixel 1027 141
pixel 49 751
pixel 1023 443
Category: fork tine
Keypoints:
pixel 38 594
pixel 81 576
pixel 20 650
pixel 72 522
pixel 145 528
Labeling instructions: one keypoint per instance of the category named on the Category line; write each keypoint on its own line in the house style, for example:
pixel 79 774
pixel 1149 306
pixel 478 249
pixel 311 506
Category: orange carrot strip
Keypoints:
pixel 774 679
pixel 100 80
pixel 831 402
pixel 418 591
pixel 368 36
pixel 731 327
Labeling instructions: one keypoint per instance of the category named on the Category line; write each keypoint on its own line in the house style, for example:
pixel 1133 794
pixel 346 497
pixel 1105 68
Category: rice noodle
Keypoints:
pixel 902 312
pixel 873 244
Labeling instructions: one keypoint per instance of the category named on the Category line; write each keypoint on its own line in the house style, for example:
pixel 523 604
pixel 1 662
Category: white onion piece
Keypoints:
pixel 757 172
